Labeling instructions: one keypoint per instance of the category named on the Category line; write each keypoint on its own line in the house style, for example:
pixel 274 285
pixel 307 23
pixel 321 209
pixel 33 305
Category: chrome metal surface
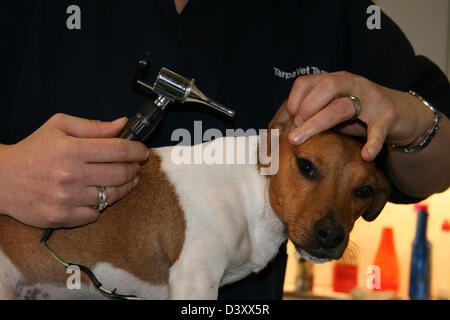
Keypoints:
pixel 171 86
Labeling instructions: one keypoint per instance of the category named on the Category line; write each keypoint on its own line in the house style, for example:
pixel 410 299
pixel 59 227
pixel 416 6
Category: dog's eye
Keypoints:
pixel 363 192
pixel 306 168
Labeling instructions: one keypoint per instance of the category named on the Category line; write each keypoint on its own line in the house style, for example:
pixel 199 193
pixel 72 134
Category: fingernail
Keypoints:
pixel 371 152
pixel 298 137
pixel 135 181
pixel 119 120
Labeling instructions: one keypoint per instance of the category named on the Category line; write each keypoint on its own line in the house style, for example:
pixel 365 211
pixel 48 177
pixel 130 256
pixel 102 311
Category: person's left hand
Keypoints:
pixel 319 102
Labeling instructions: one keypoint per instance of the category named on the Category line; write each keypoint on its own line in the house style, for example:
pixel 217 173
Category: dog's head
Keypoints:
pixel 321 188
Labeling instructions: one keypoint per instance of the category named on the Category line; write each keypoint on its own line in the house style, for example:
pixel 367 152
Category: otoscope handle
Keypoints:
pixel 143 123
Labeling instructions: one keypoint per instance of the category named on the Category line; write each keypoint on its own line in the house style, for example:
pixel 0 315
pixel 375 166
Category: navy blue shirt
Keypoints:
pixel 244 54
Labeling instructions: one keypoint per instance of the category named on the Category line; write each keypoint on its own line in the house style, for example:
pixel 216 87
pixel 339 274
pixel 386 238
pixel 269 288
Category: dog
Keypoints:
pixel 186 230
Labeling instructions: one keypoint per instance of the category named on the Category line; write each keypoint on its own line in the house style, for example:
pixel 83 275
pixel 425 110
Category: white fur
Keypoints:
pixel 231 229
pixel 9 277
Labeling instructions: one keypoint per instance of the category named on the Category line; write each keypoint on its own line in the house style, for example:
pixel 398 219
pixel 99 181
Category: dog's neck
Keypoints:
pixel 234 196
pixel 227 176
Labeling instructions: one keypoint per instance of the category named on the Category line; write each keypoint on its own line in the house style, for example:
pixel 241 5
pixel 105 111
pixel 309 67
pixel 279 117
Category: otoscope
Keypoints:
pixel 170 87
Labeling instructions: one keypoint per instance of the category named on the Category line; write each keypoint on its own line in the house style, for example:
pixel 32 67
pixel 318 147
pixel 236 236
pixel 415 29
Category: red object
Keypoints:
pixel 421 206
pixel 345 277
pixel 386 260
pixel 446 226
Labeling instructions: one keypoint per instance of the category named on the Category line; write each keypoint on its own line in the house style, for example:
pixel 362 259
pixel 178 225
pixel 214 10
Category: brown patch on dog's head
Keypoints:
pixel 321 188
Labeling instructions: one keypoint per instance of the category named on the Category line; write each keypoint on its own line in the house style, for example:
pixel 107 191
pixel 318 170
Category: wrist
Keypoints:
pixel 425 127
pixel 424 124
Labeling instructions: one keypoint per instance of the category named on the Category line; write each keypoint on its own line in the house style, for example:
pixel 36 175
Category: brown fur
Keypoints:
pixel 300 202
pixel 142 234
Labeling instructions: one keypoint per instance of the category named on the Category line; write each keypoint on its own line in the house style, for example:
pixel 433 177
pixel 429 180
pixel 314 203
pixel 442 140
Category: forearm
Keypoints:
pixel 426 172
pixel 3 187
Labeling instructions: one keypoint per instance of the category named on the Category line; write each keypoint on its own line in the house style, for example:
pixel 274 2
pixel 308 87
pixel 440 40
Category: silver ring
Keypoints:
pixel 357 104
pixel 102 199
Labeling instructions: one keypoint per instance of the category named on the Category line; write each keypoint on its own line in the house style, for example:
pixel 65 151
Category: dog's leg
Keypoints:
pixel 7 291
pixel 193 285
pixel 197 287
pixel 196 275
pixel 9 277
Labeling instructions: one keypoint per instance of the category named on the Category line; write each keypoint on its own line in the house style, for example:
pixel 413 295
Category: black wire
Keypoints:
pixel 46 235
pixel 98 285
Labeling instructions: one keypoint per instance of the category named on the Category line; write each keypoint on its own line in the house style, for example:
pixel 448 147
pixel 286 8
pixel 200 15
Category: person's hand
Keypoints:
pixel 320 102
pixel 49 179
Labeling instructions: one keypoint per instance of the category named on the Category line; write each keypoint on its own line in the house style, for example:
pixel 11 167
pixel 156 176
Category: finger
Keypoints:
pixel 113 194
pixel 86 128
pixel 353 128
pixel 329 88
pixel 301 88
pixel 110 174
pixel 81 216
pixel 111 150
pixel 336 112
pixel 376 136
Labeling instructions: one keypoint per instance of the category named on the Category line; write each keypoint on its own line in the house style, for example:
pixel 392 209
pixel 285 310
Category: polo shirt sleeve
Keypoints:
pixel 386 57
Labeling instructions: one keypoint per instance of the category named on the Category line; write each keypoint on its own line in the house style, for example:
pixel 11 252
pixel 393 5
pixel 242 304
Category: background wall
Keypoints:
pixel 427 26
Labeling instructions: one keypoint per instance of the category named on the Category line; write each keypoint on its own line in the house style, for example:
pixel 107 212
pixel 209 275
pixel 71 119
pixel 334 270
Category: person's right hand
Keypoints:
pixel 49 179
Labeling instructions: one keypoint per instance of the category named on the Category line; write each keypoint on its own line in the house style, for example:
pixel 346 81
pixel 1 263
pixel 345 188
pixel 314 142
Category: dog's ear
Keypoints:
pixel 282 120
pixel 381 197
pixel 280 125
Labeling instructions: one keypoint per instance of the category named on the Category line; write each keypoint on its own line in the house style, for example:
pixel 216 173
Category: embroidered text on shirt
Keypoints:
pixel 300 71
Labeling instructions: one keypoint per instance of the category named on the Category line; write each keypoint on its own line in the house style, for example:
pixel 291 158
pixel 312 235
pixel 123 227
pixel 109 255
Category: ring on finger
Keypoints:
pixel 358 106
pixel 102 202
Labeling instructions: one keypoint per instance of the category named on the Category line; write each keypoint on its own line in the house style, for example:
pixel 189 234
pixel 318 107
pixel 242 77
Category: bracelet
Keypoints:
pixel 428 136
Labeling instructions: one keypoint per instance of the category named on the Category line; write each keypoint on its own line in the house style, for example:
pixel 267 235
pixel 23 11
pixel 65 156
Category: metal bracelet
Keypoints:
pixel 428 136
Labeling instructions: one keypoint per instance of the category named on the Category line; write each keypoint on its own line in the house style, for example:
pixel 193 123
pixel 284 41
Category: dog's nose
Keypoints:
pixel 329 233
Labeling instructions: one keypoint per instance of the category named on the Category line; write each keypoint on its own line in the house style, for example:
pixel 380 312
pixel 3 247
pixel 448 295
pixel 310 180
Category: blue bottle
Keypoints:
pixel 419 279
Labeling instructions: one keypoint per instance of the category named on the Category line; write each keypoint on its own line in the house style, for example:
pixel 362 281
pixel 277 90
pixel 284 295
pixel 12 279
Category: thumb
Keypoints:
pixel 85 128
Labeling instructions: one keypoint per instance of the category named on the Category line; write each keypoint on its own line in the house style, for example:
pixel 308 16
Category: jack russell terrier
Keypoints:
pixel 186 230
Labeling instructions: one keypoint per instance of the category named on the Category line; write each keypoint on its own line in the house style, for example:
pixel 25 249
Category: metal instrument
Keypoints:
pixel 170 87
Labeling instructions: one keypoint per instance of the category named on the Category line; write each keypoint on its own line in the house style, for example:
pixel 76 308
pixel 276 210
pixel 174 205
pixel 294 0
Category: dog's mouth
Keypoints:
pixel 316 256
